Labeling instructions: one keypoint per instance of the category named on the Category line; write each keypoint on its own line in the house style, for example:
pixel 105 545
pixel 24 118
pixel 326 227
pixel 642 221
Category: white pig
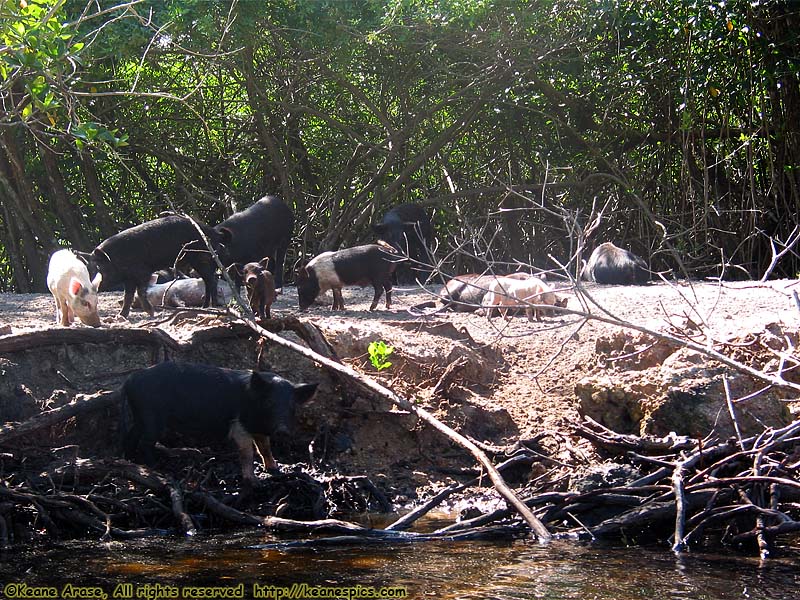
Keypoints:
pixel 75 294
pixel 513 293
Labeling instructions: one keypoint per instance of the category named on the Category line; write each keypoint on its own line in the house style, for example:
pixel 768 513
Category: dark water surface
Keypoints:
pixel 468 570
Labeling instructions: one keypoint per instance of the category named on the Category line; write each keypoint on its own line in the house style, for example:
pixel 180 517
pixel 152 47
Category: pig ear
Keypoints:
pixel 98 279
pixel 227 235
pixel 99 254
pixel 153 279
pixel 264 262
pixel 259 383
pixel 304 391
pixel 75 286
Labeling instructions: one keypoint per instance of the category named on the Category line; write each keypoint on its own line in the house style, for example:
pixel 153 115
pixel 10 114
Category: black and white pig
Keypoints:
pixel 361 265
pixel 612 265
pixel 407 228
pixel 131 256
pixel 262 230
pixel 209 403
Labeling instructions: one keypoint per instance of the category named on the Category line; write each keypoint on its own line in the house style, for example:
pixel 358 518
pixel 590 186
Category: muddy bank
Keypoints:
pixel 495 381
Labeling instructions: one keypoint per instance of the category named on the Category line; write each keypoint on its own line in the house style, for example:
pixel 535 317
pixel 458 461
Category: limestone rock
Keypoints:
pixel 683 392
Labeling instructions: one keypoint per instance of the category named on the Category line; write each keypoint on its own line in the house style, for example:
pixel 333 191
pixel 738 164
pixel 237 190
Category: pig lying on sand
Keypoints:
pixel 75 294
pixel 612 265
pixel 177 293
pixel 210 403
pixel 507 293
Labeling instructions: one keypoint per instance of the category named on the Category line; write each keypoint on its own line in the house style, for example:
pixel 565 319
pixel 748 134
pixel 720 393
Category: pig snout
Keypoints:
pixel 280 439
pixel 90 318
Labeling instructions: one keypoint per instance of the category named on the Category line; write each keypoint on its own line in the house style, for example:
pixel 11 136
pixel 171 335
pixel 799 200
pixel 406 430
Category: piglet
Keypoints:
pixel 260 286
pixel 362 265
pixel 75 294
pixel 408 229
pixel 508 293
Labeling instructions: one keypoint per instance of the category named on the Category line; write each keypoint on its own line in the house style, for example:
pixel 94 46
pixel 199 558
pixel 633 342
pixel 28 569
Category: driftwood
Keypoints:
pixel 115 498
pixel 408 519
pixel 80 405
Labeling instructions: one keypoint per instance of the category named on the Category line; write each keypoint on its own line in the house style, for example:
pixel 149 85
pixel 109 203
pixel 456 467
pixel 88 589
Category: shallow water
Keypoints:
pixel 464 570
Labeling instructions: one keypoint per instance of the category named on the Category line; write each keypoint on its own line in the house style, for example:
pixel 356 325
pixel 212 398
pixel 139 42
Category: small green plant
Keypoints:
pixel 378 352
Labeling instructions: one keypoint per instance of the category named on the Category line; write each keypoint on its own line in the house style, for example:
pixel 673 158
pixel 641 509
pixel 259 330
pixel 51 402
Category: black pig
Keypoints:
pixel 613 265
pixel 131 256
pixel 408 229
pixel 210 403
pixel 262 230
pixel 361 265
pixel 260 286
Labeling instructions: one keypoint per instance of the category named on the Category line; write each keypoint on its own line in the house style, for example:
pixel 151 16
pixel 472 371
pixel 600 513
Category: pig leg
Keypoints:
pixel 141 290
pixel 376 297
pixel 265 308
pixel 130 288
pixel 140 445
pixel 131 442
pixel 63 312
pixel 387 286
pixel 210 296
pixel 276 268
pixel 338 300
pixel 265 452
pixel 58 309
pixel 244 442
pixel 70 314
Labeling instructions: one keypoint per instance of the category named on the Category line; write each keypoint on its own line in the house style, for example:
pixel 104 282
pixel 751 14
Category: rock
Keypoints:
pixel 604 475
pixel 684 393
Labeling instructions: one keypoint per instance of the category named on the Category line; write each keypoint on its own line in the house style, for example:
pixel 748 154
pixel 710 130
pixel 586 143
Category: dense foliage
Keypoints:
pixel 678 122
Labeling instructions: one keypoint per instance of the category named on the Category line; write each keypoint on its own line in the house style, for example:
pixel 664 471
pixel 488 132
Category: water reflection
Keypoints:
pixel 434 570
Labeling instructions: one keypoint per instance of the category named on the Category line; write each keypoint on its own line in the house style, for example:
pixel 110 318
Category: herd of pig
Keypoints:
pixel 250 407
pixel 252 245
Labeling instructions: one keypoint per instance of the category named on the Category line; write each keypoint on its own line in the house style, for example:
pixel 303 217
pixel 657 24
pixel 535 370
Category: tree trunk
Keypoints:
pixel 67 213
pixel 29 209
pixel 105 222
pixel 21 282
pixel 276 160
pixel 23 222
